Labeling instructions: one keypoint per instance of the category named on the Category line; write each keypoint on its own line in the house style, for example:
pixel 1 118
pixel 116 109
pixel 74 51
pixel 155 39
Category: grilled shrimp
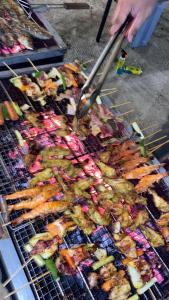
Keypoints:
pixel 27 193
pixel 36 201
pixel 133 163
pixel 148 181
pixel 138 173
pixel 42 210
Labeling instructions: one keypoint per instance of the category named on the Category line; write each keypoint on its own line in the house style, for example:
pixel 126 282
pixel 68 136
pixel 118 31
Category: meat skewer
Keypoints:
pixel 147 181
pixel 138 173
pixel 42 210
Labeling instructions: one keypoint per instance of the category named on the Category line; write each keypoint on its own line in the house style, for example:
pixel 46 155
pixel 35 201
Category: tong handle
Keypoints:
pixel 103 55
pixel 116 43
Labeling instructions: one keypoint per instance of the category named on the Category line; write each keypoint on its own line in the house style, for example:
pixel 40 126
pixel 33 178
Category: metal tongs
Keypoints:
pixel 113 45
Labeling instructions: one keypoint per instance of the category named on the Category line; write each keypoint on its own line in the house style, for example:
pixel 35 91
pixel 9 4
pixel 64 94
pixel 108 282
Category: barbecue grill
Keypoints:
pixel 51 50
pixel 72 287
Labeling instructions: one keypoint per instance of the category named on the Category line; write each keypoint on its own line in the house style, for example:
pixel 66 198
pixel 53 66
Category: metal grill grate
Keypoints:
pixel 74 287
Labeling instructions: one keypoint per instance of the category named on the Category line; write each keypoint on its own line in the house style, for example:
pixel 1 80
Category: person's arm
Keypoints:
pixel 139 9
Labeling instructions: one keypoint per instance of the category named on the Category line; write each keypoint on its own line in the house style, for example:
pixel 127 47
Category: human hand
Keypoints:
pixel 140 11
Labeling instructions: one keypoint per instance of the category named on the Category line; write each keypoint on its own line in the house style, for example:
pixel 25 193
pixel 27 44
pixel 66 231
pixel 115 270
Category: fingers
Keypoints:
pixel 138 21
pixel 136 24
pixel 121 12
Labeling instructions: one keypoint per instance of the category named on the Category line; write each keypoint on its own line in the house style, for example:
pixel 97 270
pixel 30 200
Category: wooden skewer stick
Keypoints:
pixel 109 93
pixel 161 138
pixel 121 104
pixel 10 69
pixel 151 126
pixel 17 271
pixel 26 284
pixel 126 113
pixel 6 224
pixel 87 62
pixel 32 64
pixel 152 134
pixel 158 147
pixel 111 89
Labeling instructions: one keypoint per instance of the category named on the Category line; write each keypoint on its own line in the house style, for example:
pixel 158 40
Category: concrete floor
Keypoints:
pixel 149 93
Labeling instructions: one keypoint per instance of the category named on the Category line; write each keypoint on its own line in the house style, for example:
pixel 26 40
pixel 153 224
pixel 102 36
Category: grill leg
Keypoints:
pixel 103 21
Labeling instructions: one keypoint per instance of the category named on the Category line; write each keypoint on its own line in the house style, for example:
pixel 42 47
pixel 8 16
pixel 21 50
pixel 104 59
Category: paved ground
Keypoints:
pixel 149 93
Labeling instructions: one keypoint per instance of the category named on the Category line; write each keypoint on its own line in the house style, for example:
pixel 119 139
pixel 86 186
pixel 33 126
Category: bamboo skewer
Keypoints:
pixel 32 64
pixel 109 93
pixel 126 113
pixel 87 62
pixel 6 224
pixel 110 89
pixel 10 69
pixel 121 104
pixel 152 134
pixel 17 271
pixel 158 147
pixel 154 141
pixel 26 284
pixel 151 126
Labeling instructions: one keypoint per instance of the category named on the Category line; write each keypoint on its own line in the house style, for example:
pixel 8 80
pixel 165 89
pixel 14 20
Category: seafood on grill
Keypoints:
pixel 134 162
pixel 61 227
pixel 148 180
pixel 139 173
pixel 26 193
pixel 49 192
pixel 43 210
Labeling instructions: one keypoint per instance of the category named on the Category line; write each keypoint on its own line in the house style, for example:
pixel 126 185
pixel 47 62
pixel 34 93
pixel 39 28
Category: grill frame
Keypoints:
pixel 53 50
pixel 14 231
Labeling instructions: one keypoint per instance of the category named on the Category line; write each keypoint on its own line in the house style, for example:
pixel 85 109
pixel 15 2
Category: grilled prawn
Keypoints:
pixel 42 210
pixel 36 201
pixel 133 163
pixel 27 193
pixel 148 181
pixel 138 173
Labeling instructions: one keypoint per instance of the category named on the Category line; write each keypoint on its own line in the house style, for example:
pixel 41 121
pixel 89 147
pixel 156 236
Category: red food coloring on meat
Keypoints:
pixel 75 144
pixel 85 209
pixel 13 154
pixel 35 167
pixel 101 210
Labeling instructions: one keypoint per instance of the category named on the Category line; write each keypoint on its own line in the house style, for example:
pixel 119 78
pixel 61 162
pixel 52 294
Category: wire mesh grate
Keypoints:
pixel 73 286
